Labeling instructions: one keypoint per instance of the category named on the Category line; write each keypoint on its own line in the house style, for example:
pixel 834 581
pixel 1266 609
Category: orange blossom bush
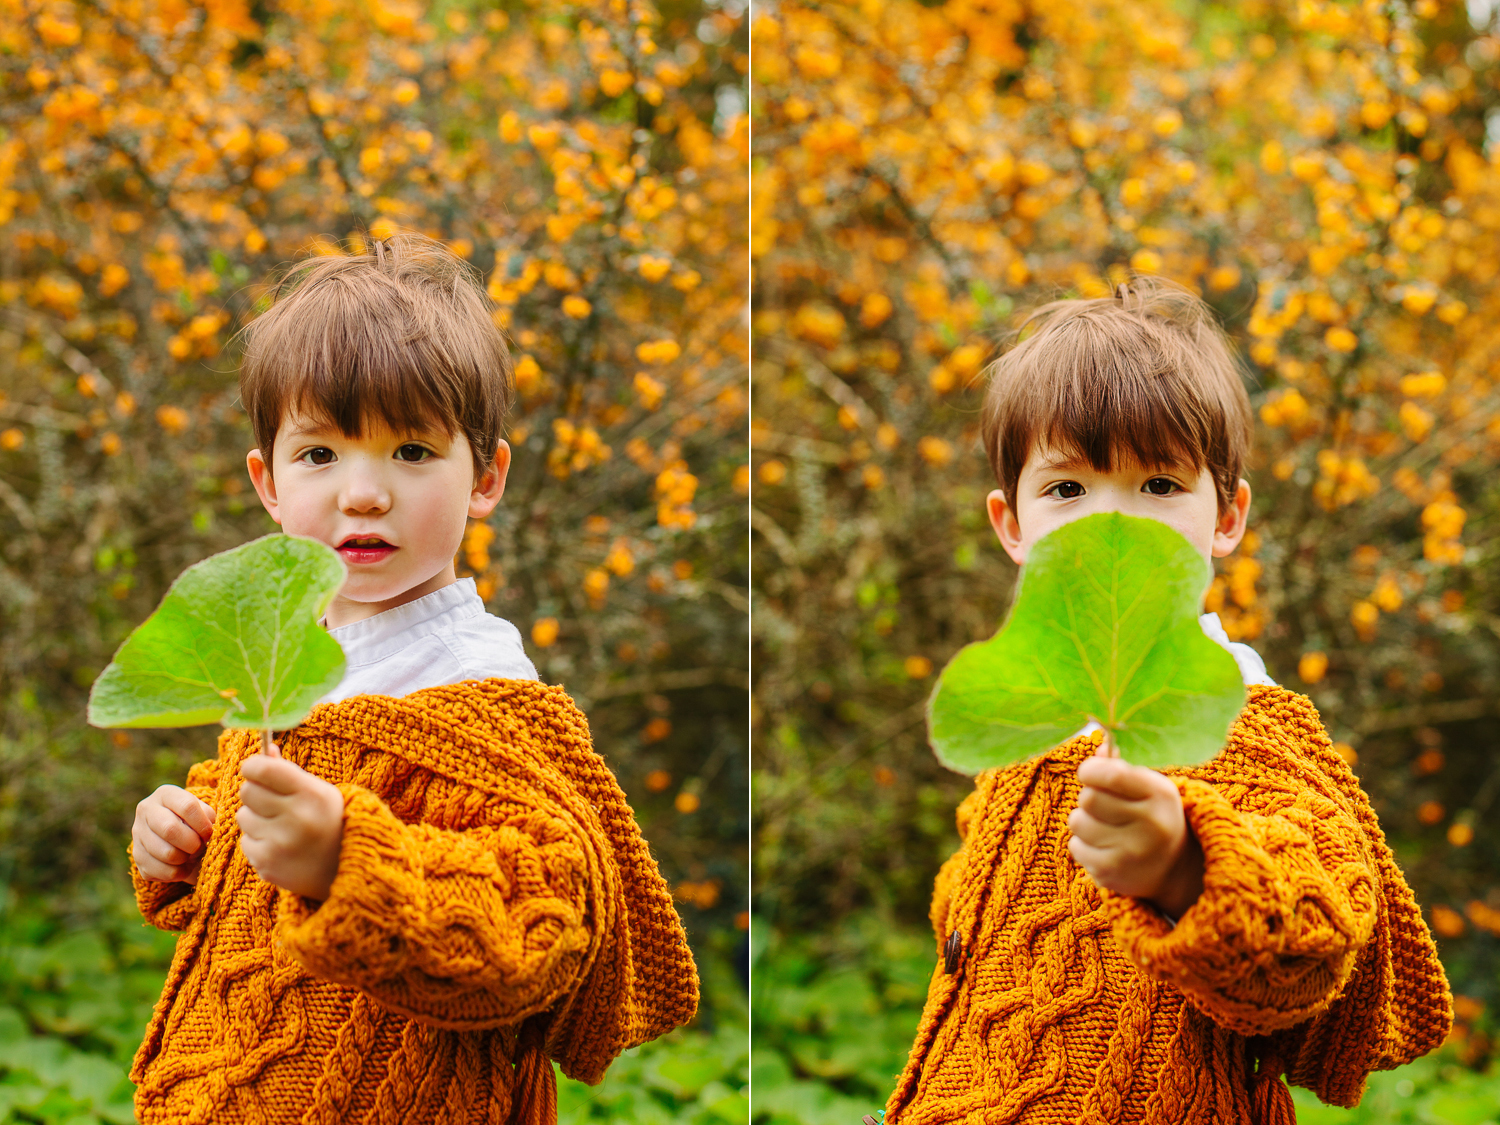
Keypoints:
pixel 158 161
pixel 1326 174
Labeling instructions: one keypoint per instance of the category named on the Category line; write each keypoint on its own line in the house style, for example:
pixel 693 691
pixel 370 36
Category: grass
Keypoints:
pixel 79 975
pixel 834 1015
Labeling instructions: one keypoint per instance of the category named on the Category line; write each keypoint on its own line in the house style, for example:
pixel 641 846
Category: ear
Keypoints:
pixel 265 484
pixel 1232 520
pixel 491 486
pixel 1007 527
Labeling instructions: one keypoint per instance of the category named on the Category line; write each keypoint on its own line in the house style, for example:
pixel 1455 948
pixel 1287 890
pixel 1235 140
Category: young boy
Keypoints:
pixel 433 886
pixel 1126 946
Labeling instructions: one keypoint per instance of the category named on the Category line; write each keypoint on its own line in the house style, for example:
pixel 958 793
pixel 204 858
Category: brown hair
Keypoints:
pixel 402 333
pixel 1147 373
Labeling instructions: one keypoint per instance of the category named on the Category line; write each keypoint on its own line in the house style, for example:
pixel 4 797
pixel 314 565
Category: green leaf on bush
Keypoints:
pixel 1104 627
pixel 235 641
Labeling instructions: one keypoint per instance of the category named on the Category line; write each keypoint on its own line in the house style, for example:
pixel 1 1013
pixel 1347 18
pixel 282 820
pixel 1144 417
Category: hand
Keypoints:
pixel 291 824
pixel 1130 834
pixel 171 827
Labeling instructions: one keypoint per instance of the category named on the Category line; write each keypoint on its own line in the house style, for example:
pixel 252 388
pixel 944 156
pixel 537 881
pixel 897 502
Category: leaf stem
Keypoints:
pixel 265 742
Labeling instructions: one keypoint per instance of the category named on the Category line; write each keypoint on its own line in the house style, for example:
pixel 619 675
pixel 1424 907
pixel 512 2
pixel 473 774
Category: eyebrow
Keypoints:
pixel 1065 464
pixel 309 431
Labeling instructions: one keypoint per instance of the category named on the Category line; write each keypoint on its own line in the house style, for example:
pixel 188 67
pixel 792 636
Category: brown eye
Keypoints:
pixel 1068 489
pixel 319 456
pixel 1161 486
pixel 411 451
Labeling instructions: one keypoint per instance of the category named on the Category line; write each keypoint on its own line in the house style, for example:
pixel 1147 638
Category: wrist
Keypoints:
pixel 333 845
pixel 1183 883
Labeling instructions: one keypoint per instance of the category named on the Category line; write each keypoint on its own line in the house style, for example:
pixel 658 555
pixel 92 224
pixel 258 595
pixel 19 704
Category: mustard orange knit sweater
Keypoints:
pixel 1305 955
pixel 495 907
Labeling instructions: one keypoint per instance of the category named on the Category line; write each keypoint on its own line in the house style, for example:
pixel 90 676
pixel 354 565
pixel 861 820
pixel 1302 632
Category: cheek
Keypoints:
pixel 439 514
pixel 302 510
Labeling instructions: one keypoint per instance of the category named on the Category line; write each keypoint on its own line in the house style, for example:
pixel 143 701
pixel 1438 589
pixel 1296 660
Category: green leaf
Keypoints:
pixel 1104 627
pixel 235 641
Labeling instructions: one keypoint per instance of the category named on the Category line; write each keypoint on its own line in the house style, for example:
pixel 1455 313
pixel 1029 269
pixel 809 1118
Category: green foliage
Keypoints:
pixel 1105 627
pixel 1434 1090
pixel 239 628
pixel 688 1077
pixel 697 1075
pixel 75 995
pixel 79 974
pixel 835 1014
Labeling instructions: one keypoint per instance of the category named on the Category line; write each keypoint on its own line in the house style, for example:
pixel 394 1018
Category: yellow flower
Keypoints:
pixel 1427 384
pixel 614 82
pixel 771 472
pixel 658 351
pixel 1415 422
pixel 649 390
pixel 874 310
pixel 1146 261
pixel 1417 299
pixel 1312 667
pixel 935 451
pixel 544 632
pixel 173 419
pixel 1340 339
pixel 654 267
pixel 576 307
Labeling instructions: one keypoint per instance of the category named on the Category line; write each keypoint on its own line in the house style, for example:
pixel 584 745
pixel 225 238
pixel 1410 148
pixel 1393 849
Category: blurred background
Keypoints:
pixel 159 160
pixel 1327 175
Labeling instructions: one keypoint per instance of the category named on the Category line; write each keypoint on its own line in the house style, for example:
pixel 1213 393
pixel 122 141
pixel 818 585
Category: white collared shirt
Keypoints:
pixel 1252 667
pixel 444 638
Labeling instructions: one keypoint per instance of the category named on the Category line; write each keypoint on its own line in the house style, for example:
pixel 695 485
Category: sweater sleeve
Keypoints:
pixel 171 906
pixel 461 929
pixel 1290 896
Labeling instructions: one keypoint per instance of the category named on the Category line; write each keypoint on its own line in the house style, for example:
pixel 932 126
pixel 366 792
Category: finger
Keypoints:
pixel 252 825
pixel 1109 808
pixel 1090 831
pixel 269 748
pixel 212 814
pixel 262 801
pixel 276 774
pixel 161 851
pixel 1098 862
pixel 1132 783
pixel 190 810
pixel 168 826
pixel 154 869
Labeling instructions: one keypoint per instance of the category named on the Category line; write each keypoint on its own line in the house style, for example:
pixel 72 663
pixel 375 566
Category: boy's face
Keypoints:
pixel 393 505
pixel 1055 488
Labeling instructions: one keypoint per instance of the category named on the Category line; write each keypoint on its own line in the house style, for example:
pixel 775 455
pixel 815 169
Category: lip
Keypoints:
pixel 354 553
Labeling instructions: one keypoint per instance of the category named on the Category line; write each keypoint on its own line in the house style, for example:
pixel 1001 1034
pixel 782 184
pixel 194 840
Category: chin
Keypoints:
pixel 366 594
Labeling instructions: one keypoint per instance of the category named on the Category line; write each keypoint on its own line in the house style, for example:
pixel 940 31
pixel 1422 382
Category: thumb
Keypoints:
pixel 1107 747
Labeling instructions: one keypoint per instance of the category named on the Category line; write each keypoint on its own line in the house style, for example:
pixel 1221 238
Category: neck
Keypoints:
pixel 344 611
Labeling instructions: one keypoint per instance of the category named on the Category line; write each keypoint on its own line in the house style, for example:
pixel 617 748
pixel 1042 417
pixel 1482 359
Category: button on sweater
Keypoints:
pixel 1305 955
pixel 495 908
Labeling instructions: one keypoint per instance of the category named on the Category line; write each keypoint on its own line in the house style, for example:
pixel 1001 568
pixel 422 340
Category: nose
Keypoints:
pixel 364 490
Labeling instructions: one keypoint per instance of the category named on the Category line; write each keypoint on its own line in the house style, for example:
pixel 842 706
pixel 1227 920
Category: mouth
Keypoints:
pixel 365 548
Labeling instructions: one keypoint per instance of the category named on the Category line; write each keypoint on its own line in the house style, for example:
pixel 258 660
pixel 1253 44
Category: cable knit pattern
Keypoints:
pixel 1305 955
pixel 495 908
